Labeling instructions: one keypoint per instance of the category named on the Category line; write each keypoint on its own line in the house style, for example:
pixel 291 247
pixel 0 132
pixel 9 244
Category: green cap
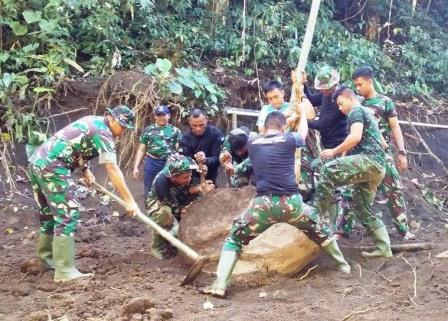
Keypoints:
pixel 326 78
pixel 177 164
pixel 123 115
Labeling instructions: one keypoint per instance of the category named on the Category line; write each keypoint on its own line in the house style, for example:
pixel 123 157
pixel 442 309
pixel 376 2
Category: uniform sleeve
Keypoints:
pixel 315 99
pixel 144 136
pixel 160 188
pixel 225 145
pixel 184 146
pixel 177 136
pixel 389 109
pixel 213 159
pixel 244 168
pixel 298 139
pixel 104 144
pixel 355 116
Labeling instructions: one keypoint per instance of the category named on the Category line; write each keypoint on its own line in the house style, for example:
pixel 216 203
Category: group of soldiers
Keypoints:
pixel 356 159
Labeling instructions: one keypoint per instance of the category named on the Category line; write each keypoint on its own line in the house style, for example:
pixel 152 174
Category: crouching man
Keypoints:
pixel 277 199
pixel 171 191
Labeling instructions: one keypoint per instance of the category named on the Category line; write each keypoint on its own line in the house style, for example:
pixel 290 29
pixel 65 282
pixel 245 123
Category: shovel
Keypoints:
pixel 198 260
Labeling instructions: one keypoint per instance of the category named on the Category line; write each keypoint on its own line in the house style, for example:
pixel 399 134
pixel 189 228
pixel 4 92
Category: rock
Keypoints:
pixel 60 300
pixel 47 287
pixel 33 267
pixel 37 316
pixel 443 255
pixel 166 314
pixel 137 305
pixel 22 290
pixel 281 249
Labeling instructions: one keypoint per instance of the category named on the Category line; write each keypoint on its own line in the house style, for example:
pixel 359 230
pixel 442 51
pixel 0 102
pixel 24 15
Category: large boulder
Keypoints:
pixel 281 249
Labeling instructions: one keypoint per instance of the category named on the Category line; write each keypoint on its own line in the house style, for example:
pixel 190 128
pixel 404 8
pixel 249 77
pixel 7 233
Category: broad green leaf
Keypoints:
pixel 43 90
pixel 184 72
pixel 175 88
pixel 7 79
pixel 149 69
pixel 214 98
pixel 18 29
pixel 21 79
pixel 30 47
pixel 187 82
pixel 73 64
pixel 4 56
pixel 32 16
pixel 201 79
pixel 164 65
pixel 47 26
pixel 197 93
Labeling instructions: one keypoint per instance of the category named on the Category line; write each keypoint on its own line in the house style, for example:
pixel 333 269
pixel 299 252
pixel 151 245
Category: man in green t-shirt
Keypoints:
pixel 275 95
pixel 364 168
pixel 383 108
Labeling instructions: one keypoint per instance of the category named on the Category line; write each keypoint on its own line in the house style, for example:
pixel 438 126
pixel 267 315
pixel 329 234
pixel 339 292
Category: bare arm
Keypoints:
pixel 402 162
pixel 117 179
pixel 138 159
pixel 302 129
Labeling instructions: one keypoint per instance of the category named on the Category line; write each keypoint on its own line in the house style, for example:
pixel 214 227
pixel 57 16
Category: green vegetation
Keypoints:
pixel 44 43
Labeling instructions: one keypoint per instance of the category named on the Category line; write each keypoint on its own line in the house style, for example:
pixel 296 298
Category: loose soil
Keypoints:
pixel 129 284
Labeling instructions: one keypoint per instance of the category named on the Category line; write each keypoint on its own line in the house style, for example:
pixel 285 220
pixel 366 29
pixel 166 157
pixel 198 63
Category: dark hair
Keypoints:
pixel 238 141
pixel 197 112
pixel 342 90
pixel 271 85
pixel 365 72
pixel 275 119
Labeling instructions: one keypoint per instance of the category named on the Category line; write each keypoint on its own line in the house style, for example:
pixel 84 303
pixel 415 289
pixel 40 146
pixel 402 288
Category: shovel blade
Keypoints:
pixel 194 270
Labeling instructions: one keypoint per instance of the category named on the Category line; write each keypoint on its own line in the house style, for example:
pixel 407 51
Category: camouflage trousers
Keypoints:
pixel 166 218
pixel 360 171
pixel 264 211
pixel 54 193
pixel 241 176
pixel 391 188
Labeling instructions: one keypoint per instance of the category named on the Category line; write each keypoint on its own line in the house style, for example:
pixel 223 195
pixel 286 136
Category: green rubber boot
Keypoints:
pixel 382 243
pixel 224 270
pixel 45 250
pixel 64 258
pixel 333 251
pixel 160 248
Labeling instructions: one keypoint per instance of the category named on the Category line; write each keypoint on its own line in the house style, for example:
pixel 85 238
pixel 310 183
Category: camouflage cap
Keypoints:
pixel 177 164
pixel 124 115
pixel 326 78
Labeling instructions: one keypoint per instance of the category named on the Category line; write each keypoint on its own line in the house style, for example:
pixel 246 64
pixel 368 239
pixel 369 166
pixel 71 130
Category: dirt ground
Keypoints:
pixel 129 284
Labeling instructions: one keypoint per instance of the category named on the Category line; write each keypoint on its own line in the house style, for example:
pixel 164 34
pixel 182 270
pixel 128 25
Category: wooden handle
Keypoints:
pixel 188 251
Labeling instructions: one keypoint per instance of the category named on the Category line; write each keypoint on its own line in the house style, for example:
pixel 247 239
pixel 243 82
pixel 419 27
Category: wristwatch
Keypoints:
pixel 402 152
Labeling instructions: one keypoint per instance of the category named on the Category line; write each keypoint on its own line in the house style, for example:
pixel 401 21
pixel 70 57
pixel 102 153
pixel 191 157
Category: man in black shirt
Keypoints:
pixel 277 199
pixel 202 143
pixel 332 123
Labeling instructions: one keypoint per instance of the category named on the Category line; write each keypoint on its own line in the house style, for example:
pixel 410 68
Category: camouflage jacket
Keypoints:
pixel 165 193
pixel 160 141
pixel 370 143
pixel 383 108
pixel 76 144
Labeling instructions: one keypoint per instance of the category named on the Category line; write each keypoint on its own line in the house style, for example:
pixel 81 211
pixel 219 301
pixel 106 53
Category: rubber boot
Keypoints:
pixel 382 243
pixel 333 251
pixel 160 248
pixel 64 258
pixel 224 270
pixel 45 250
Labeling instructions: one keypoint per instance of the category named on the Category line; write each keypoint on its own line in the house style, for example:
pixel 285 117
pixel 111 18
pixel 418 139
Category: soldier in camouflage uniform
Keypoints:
pixel 385 113
pixel 364 169
pixel 157 142
pixel 171 191
pixel 50 167
pixel 235 158
pixel 277 200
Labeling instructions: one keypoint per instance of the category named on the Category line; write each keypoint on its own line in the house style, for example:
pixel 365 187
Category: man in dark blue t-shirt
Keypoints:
pixel 277 199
